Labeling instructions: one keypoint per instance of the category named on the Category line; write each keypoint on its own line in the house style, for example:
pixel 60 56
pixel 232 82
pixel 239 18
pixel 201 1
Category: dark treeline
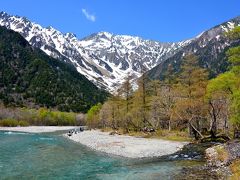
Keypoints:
pixel 187 101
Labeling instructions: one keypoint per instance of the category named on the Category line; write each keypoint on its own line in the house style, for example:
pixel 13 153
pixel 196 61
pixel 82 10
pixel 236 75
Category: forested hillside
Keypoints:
pixel 28 77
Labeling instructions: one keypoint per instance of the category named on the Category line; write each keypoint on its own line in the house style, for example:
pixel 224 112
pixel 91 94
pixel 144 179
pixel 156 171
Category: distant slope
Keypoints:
pixel 210 47
pixel 104 58
pixel 28 77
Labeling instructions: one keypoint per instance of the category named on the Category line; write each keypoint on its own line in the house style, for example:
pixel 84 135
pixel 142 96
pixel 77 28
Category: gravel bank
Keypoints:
pixel 126 146
pixel 220 157
pixel 37 129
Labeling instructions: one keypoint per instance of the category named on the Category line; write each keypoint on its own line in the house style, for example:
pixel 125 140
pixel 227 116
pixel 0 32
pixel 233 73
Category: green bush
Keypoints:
pixel 23 123
pixel 93 116
pixel 40 117
pixel 56 118
pixel 9 123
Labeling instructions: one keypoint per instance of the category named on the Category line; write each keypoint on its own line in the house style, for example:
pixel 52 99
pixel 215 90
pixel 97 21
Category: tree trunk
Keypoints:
pixel 169 125
pixel 213 128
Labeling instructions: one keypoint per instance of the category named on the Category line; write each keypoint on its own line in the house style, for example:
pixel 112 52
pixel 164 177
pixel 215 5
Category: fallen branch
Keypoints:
pixel 195 129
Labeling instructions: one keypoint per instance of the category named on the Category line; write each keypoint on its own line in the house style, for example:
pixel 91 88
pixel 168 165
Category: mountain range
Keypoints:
pixel 30 78
pixel 210 47
pixel 106 59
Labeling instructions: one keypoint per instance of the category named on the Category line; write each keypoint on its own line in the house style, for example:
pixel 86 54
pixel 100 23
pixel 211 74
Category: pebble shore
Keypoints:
pixel 126 146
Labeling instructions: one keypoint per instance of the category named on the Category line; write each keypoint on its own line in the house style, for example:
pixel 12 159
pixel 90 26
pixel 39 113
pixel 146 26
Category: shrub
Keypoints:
pixel 43 116
pixel 13 123
pixel 9 123
pixel 23 123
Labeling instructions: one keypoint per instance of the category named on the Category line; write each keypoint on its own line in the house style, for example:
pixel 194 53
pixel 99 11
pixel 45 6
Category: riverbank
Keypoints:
pixel 225 158
pixel 126 146
pixel 38 129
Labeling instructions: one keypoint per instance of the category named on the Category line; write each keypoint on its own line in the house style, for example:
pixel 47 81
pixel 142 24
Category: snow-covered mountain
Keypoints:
pixel 104 58
pixel 210 47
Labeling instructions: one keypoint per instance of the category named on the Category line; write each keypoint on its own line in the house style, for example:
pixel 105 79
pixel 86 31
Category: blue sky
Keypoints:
pixel 162 20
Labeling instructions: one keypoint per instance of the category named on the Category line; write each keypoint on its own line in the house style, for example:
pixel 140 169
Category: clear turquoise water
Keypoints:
pixel 50 156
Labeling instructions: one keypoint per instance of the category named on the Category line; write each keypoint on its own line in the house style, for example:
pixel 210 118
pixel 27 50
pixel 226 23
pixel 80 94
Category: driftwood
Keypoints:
pixel 218 136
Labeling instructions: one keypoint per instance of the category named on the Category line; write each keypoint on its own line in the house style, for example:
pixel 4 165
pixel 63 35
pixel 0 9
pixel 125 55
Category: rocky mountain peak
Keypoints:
pixel 105 58
pixel 210 47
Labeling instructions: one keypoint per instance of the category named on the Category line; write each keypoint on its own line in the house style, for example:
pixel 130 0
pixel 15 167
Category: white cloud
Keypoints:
pixel 89 16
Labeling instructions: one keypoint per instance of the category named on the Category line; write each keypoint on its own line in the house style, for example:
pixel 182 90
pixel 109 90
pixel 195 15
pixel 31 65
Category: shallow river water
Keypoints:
pixel 51 156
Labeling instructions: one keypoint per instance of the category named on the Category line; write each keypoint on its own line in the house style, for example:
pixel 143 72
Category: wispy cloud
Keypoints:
pixel 89 16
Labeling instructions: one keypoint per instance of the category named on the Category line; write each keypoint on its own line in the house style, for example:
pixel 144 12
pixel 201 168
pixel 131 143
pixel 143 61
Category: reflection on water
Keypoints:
pixel 50 156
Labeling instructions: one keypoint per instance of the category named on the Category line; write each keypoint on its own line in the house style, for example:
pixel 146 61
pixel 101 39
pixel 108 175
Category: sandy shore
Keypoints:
pixel 37 129
pixel 126 146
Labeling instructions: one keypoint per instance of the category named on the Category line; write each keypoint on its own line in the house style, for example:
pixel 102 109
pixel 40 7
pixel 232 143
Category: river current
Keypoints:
pixel 51 156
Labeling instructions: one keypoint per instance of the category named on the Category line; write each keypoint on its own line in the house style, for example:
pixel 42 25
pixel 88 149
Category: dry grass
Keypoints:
pixel 159 134
pixel 235 168
pixel 172 135
pixel 106 129
pixel 222 153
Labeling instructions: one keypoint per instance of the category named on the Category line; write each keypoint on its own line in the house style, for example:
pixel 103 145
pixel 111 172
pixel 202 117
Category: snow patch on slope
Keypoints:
pixel 104 58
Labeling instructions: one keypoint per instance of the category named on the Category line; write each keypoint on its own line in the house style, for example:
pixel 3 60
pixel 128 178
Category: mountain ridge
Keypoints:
pixel 28 77
pixel 210 47
pixel 104 58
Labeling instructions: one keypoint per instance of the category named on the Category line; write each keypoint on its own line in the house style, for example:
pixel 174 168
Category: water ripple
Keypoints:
pixel 16 133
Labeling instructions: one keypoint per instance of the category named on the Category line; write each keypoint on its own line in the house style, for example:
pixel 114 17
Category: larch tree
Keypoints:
pixel 141 101
pixel 126 93
pixel 163 100
pixel 155 103
pixel 169 94
pixel 190 106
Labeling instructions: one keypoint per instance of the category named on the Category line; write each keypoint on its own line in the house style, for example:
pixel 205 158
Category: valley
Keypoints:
pixel 117 105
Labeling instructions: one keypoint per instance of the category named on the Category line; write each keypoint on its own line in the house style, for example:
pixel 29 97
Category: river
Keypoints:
pixel 51 156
